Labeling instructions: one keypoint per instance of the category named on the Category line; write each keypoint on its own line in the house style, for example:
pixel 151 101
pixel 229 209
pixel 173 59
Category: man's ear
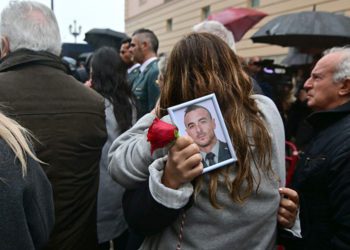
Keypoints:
pixel 344 89
pixel 214 124
pixel 5 47
pixel 144 45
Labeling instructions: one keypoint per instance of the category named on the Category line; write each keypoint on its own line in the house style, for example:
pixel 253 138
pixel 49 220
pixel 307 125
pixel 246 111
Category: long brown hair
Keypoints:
pixel 201 64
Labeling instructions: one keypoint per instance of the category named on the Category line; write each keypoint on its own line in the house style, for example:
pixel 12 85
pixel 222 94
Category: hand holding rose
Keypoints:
pixel 184 160
pixel 184 163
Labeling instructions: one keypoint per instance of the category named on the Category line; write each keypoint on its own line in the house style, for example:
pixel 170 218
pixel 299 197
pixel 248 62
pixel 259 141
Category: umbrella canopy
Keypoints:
pixel 296 58
pixel 238 20
pixel 309 29
pixel 104 37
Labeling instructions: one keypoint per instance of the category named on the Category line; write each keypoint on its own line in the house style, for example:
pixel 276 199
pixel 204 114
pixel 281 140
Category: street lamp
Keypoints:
pixel 74 32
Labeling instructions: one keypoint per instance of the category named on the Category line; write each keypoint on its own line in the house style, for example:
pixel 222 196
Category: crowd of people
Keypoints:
pixel 77 172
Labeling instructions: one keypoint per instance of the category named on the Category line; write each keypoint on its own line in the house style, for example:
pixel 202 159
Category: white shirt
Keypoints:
pixel 144 65
pixel 214 150
pixel 136 65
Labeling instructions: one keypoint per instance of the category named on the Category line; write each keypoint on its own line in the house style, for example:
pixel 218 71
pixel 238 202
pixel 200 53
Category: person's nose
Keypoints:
pixel 199 129
pixel 308 83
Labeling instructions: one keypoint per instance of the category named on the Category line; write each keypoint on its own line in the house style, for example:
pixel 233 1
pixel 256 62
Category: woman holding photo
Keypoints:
pixel 234 207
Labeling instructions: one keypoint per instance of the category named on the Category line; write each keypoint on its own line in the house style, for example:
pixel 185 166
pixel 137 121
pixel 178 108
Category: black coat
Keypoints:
pixel 68 119
pixel 144 214
pixel 27 211
pixel 322 179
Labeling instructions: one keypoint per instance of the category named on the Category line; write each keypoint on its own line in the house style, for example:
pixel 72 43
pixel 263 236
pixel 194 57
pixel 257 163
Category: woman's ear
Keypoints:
pixel 5 47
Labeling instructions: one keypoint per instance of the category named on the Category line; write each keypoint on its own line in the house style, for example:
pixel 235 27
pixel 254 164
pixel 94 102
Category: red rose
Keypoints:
pixel 161 134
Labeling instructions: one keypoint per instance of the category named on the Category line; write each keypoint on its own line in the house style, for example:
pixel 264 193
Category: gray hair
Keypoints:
pixel 162 63
pixel 147 34
pixel 30 25
pixel 342 70
pixel 216 28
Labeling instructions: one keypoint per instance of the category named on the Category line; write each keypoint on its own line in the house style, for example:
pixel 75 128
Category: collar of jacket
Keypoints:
pixel 150 65
pixel 24 57
pixel 322 119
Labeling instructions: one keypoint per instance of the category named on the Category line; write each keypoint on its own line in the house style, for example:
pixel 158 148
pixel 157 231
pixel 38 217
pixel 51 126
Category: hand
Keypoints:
pixel 288 209
pixel 88 83
pixel 184 163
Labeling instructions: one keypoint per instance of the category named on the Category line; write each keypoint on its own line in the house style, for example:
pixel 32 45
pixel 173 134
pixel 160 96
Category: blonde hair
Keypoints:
pixel 17 138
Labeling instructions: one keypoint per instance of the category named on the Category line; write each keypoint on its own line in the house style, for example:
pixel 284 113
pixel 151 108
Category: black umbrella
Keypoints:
pixel 309 29
pixel 104 37
pixel 296 58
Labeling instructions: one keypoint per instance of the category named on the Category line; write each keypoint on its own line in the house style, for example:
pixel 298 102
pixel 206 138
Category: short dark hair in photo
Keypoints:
pixel 195 107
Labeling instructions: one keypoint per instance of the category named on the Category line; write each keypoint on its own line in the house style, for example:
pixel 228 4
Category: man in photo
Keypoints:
pixel 200 126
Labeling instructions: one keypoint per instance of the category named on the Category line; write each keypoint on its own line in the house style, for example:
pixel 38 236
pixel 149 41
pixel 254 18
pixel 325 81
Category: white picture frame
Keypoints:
pixel 226 151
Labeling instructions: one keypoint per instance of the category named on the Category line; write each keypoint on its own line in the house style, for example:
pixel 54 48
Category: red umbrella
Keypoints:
pixel 238 20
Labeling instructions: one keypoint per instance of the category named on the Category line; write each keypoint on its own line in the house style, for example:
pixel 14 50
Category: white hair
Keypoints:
pixel 30 25
pixel 216 28
pixel 342 70
pixel 162 63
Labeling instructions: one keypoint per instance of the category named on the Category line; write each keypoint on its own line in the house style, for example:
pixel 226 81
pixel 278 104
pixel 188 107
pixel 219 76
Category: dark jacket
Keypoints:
pixel 133 74
pixel 146 89
pixel 144 214
pixel 224 153
pixel 68 120
pixel 27 211
pixel 296 127
pixel 322 179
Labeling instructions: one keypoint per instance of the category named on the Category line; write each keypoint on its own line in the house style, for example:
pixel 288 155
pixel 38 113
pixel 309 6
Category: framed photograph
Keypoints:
pixel 202 120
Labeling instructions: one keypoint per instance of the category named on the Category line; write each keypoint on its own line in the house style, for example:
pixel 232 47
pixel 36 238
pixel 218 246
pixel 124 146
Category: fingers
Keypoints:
pixel 175 175
pixel 288 209
pixel 283 222
pixel 195 171
pixel 289 205
pixel 88 83
pixel 182 142
pixel 186 151
pixel 183 164
pixel 190 169
pixel 290 194
pixel 286 218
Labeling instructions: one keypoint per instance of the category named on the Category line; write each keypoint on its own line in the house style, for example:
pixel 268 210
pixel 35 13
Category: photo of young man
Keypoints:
pixel 200 126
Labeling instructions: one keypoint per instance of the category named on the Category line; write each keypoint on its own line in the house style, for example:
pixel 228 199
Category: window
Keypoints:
pixel 254 3
pixel 169 24
pixel 205 12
